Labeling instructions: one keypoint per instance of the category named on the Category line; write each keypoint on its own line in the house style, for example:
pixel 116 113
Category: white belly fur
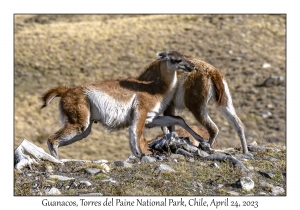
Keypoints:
pixel 110 112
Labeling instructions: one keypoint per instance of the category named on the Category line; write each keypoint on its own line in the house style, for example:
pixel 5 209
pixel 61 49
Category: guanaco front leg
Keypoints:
pixel 138 142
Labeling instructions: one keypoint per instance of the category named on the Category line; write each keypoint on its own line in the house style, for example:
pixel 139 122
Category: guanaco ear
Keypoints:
pixel 162 55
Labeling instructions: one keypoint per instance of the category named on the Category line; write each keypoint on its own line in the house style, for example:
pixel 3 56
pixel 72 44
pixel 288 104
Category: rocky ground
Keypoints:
pixel 162 174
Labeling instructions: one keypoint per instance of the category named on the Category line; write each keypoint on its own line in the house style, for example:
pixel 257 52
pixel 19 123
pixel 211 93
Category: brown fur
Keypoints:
pixel 195 90
pixel 118 104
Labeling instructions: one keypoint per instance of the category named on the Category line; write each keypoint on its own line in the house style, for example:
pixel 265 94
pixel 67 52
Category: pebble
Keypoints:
pixel 49 169
pixel 123 164
pixel 61 178
pixel 93 171
pixel 148 159
pixel 233 193
pixel 86 183
pixel 246 183
pixel 162 168
pixel 267 174
pixel 52 191
pixel 277 190
pixel 177 157
pixel 214 165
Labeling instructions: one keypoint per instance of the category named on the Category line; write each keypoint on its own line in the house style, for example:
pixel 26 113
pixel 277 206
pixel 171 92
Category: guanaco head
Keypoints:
pixel 176 61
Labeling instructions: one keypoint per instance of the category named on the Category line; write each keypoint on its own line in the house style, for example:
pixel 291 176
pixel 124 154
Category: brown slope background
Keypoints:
pixel 52 50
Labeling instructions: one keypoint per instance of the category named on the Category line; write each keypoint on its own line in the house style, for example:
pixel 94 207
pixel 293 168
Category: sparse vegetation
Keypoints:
pixel 189 179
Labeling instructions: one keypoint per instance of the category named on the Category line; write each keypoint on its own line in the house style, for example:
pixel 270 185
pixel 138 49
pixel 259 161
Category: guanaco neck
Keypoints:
pixel 167 75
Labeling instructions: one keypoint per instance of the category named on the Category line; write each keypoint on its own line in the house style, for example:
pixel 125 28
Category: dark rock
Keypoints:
pixel 267 174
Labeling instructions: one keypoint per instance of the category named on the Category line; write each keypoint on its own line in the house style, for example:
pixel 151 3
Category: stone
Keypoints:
pixel 266 65
pixel 93 171
pixel 267 174
pixel 52 191
pixel 254 143
pixel 246 183
pixel 86 183
pixel 49 169
pixel 214 165
pixel 111 180
pixel 123 164
pixel 198 185
pixel 177 156
pixel 163 168
pixel 265 185
pixel 132 159
pixel 200 153
pixel 105 167
pixel 272 159
pixel 233 193
pixel 148 159
pixel 277 190
pixel 61 178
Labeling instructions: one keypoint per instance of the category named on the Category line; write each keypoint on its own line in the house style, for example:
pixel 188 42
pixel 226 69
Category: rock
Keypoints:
pixel 273 81
pixel 267 174
pixel 254 143
pixel 200 153
pixel 61 178
pixel 148 159
pixel 270 158
pixel 105 167
pixel 109 180
pixel 100 161
pixel 86 183
pixel 93 171
pixel 262 193
pixel 265 185
pixel 49 169
pixel 277 190
pixel 266 65
pixel 132 159
pixel 266 114
pixel 214 165
pixel 163 168
pixel 123 164
pixel 177 157
pixel 246 183
pixel 243 157
pixel 52 191
pixel 233 193
pixel 198 185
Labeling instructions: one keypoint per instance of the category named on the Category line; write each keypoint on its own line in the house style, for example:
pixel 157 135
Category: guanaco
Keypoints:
pixel 118 104
pixel 194 91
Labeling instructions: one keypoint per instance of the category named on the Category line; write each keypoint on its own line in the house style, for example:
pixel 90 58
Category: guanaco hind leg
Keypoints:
pixel 167 121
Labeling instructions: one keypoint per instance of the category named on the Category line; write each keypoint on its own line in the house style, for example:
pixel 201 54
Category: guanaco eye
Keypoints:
pixel 176 60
